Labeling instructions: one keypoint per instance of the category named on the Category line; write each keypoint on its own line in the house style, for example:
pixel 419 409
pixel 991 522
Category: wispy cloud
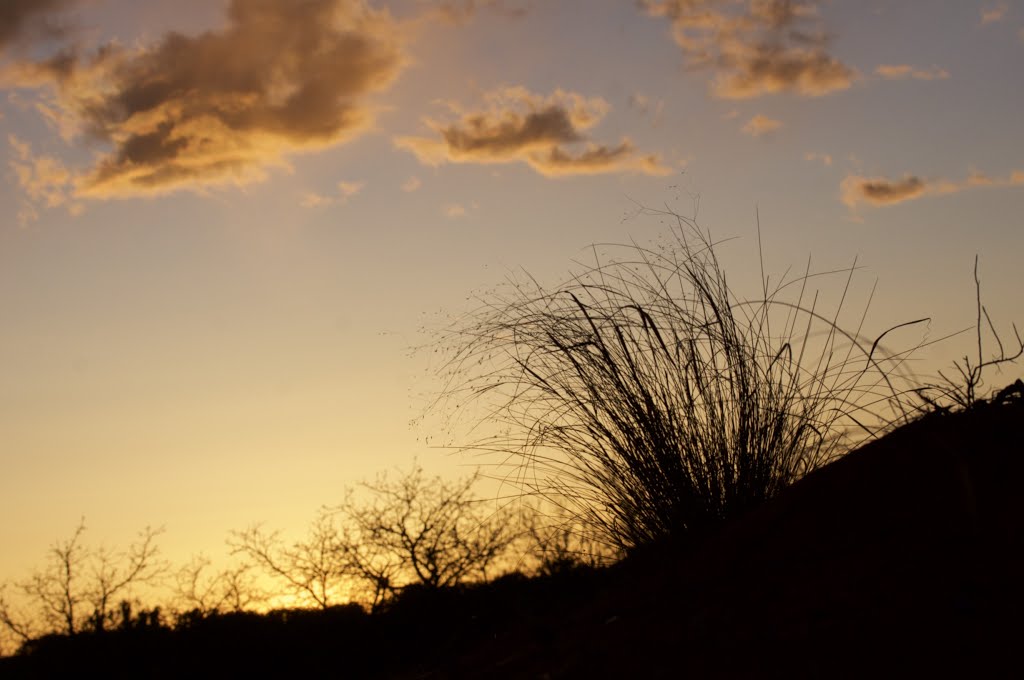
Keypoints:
pixel 994 12
pixel 349 189
pixel 760 125
pixel 311 199
pixel 856 190
pixel 904 71
pixel 411 184
pixel 46 181
pixel 225 105
pixel 453 210
pixel 823 158
pixel 639 102
pixel 645 105
pixel 346 190
pixel 515 125
pixel 755 47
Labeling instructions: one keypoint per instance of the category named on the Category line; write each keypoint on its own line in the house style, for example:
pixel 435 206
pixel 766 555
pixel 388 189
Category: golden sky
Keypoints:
pixel 227 223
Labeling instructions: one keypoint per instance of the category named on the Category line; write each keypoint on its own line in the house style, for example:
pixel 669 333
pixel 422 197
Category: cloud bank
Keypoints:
pixel 222 106
pixel 516 125
pixel 755 47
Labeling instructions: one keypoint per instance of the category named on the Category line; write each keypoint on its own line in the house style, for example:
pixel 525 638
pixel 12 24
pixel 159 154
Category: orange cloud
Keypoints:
pixel 755 47
pixel 902 71
pixel 346 190
pixel 597 159
pixel 519 126
pixel 225 105
pixel 44 178
pixel 760 125
pixel 47 183
pixel 454 210
pixel 881 191
pixel 311 199
pixel 762 70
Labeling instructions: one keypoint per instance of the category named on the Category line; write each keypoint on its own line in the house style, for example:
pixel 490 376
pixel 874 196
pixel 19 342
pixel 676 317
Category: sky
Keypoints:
pixel 227 226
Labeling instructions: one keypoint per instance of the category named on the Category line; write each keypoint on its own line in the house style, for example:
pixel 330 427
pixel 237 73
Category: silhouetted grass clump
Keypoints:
pixel 653 401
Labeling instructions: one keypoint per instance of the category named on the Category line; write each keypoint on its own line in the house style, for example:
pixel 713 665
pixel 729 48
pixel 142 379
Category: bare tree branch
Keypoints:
pixel 314 569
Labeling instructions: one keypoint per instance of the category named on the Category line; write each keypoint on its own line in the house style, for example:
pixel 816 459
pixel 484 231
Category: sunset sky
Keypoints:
pixel 227 223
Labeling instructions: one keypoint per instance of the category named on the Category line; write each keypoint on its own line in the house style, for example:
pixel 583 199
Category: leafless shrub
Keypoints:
pixel 963 389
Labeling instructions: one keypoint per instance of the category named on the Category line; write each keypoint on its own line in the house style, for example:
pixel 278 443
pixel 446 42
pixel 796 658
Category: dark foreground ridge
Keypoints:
pixel 906 557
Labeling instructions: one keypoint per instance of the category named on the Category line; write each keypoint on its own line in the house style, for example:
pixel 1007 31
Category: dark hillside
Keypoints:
pixel 906 556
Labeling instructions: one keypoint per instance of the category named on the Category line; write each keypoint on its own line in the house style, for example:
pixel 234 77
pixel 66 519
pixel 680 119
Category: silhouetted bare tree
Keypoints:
pixel 316 569
pixel 80 588
pixel 201 589
pixel 413 529
pixel 388 534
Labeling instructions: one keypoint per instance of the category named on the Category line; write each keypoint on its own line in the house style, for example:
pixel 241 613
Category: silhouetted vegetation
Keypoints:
pixel 200 589
pixel 390 534
pixel 651 400
pixel 645 403
pixel 314 569
pixel 418 629
pixel 430 532
pixel 962 389
pixel 81 588
pixel 557 542
pixel 901 558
